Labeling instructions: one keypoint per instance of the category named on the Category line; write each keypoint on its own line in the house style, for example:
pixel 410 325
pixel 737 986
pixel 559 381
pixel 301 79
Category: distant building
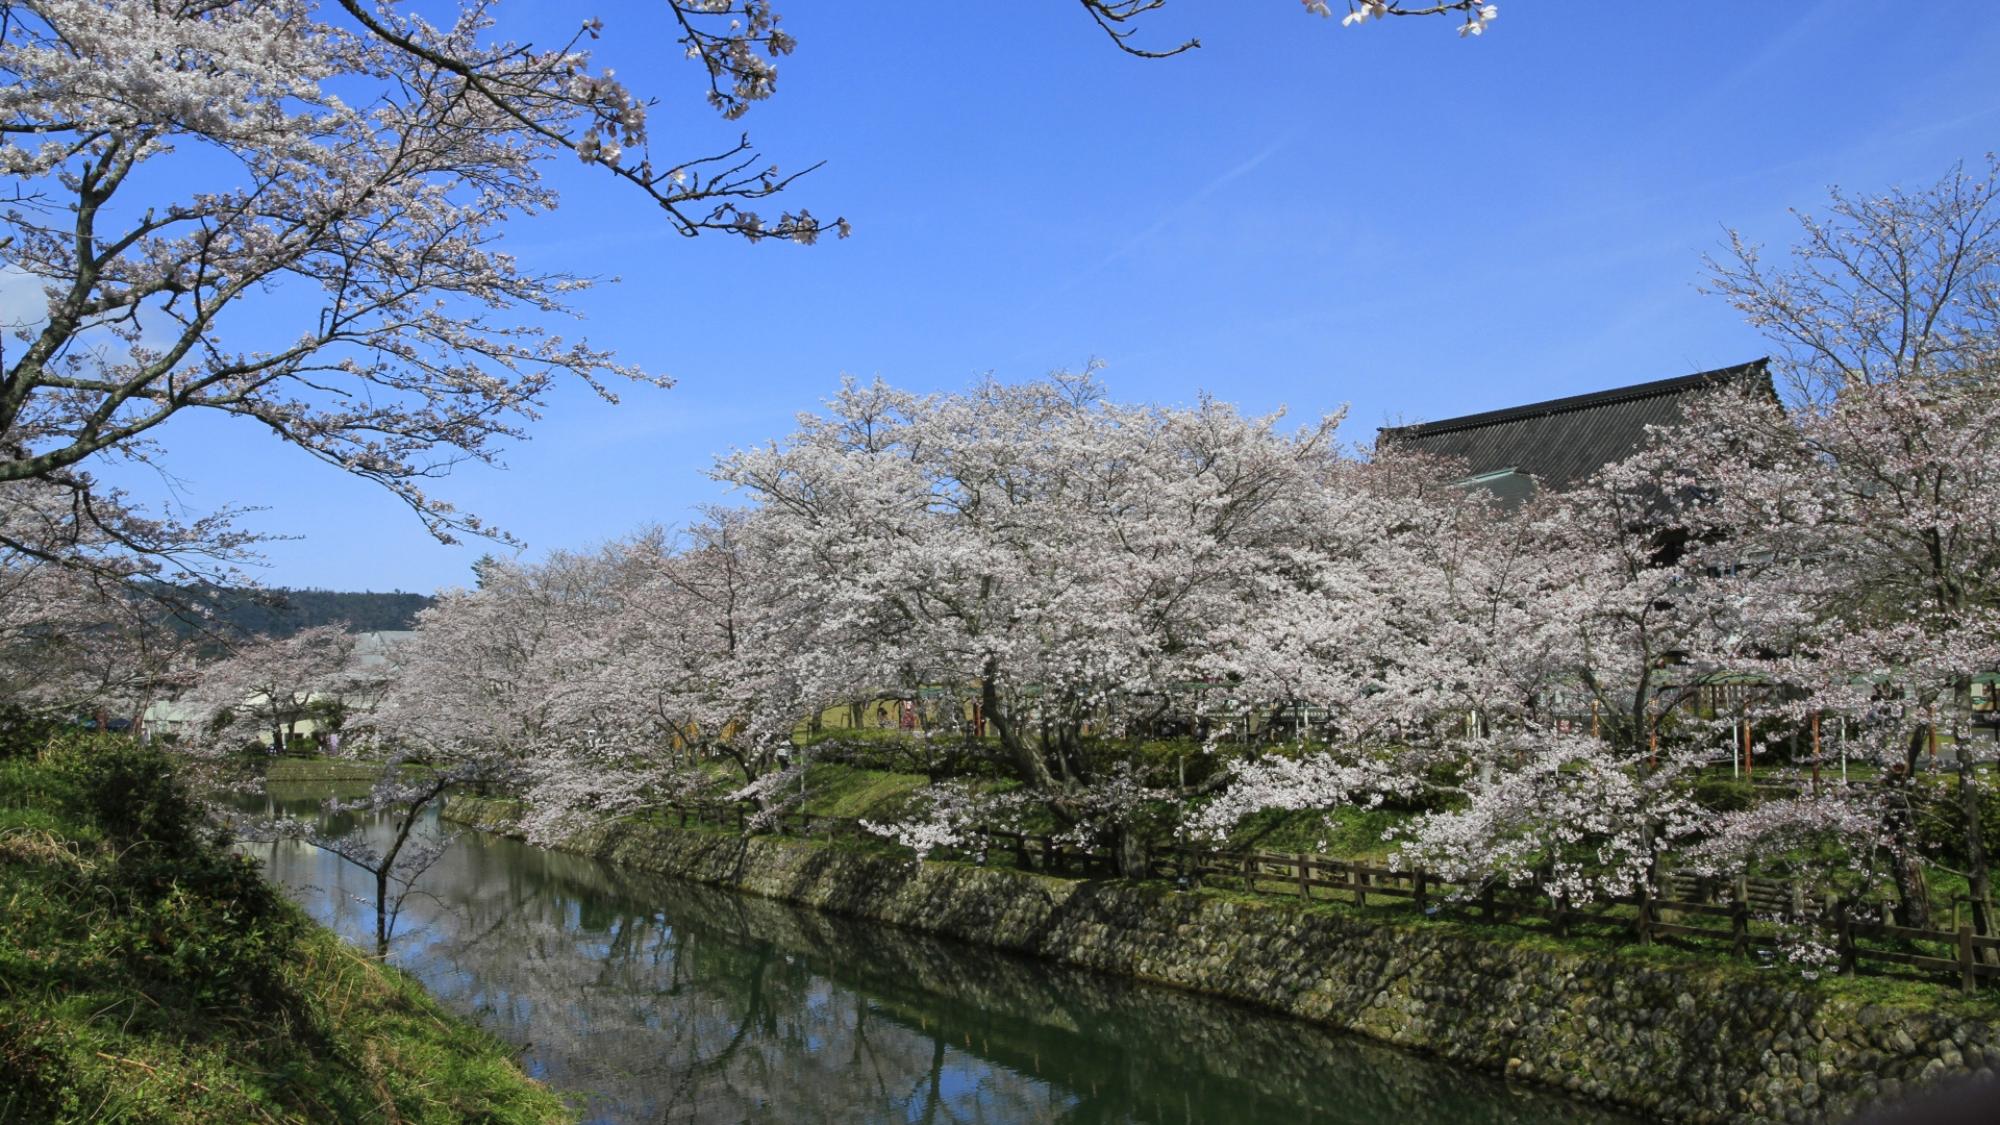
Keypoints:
pixel 166 716
pixel 375 651
pixel 1520 450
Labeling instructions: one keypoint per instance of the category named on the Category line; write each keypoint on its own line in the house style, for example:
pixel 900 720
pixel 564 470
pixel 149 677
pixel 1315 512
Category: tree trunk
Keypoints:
pixel 1914 909
pixel 1069 750
pixel 1027 760
pixel 403 827
pixel 1978 873
pixel 1133 860
pixel 382 913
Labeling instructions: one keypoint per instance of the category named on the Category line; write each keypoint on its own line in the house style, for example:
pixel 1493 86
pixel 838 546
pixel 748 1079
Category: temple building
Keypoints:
pixel 1517 451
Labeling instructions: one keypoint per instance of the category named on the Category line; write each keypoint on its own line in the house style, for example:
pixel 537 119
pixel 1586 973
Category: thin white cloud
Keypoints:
pixel 1171 216
pixel 22 303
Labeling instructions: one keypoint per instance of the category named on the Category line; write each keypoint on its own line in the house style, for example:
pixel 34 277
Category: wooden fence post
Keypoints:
pixel 1966 980
pixel 1645 921
pixel 1420 890
pixel 1358 876
pixel 1739 928
pixel 1249 871
pixel 1305 877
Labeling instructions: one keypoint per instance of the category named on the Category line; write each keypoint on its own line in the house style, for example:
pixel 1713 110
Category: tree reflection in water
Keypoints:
pixel 659 1001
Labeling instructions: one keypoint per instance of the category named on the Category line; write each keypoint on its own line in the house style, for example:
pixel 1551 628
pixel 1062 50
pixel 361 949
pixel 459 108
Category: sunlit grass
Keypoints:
pixel 150 976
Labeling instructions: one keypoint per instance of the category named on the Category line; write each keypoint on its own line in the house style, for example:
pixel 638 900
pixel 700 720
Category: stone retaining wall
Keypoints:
pixel 1683 1043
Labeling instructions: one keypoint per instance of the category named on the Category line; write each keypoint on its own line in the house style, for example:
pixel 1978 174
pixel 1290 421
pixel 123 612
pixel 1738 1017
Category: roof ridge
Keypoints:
pixel 1570 403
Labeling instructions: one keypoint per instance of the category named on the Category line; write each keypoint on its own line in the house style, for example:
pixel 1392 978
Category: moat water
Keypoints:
pixel 653 1000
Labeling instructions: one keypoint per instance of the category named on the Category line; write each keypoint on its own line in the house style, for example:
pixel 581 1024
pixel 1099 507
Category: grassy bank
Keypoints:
pixel 287 770
pixel 149 975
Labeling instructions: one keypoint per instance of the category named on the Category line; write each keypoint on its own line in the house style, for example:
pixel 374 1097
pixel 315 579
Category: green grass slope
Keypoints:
pixel 148 974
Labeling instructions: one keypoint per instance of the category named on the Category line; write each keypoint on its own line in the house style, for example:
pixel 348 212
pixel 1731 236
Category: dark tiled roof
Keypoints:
pixel 1563 440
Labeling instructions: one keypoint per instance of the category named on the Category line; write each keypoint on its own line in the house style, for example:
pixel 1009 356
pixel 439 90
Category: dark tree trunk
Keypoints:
pixel 1913 891
pixel 1978 873
pixel 1034 771
pixel 1134 861
pixel 382 913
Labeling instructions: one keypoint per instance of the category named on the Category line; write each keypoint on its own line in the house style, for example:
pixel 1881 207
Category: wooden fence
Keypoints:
pixel 1740 914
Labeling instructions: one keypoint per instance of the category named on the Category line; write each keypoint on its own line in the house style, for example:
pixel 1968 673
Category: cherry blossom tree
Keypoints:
pixel 1507 670
pixel 1857 527
pixel 1118 18
pixel 608 682
pixel 1073 558
pixel 1837 851
pixel 1865 547
pixel 1477 13
pixel 492 668
pixel 1836 555
pixel 366 159
pixel 1393 616
pixel 78 635
pixel 715 658
pixel 387 834
pixel 1574 820
pixel 1397 601
pixel 1887 285
pixel 272 684
pixel 369 159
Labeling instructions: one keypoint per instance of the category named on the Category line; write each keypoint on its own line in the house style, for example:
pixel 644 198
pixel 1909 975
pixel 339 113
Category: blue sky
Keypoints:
pixel 1298 215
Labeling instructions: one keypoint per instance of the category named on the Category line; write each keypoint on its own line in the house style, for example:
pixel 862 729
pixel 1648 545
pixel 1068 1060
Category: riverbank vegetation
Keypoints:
pixel 1348 858
pixel 149 974
pixel 1133 627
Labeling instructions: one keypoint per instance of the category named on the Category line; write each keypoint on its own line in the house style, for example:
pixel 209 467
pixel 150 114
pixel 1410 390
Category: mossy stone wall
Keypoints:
pixel 1681 1043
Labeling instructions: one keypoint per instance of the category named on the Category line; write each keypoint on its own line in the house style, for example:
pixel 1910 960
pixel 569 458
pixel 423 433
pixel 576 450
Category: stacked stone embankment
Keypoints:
pixel 1684 1043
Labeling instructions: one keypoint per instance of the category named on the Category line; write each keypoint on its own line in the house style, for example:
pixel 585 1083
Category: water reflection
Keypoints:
pixel 659 1001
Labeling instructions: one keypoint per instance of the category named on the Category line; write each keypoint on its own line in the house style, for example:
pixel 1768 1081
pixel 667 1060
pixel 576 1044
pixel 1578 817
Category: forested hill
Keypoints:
pixel 278 611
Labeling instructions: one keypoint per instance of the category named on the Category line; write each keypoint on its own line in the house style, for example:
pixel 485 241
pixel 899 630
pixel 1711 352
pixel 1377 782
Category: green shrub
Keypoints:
pixel 23 732
pixel 134 797
pixel 149 974
pixel 160 901
pixel 32 1060
pixel 213 937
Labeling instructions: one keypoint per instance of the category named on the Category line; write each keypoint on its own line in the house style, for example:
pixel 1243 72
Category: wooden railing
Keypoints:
pixel 1739 914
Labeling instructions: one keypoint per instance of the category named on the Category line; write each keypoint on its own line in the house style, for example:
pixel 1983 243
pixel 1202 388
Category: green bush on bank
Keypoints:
pixel 148 974
pixel 284 771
